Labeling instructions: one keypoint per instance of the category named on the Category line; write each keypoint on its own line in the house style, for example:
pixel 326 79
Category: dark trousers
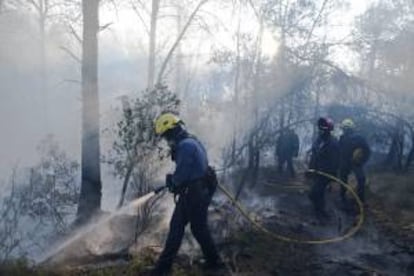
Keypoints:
pixel 317 194
pixel 282 160
pixel 360 177
pixel 191 208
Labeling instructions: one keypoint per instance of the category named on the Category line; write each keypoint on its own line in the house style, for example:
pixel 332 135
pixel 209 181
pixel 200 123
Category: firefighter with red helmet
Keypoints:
pixel 324 158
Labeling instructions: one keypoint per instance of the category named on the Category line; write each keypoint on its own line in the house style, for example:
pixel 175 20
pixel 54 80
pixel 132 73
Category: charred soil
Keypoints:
pixel 383 245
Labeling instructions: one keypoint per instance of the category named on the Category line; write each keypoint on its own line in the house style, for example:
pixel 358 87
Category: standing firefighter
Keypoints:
pixel 324 158
pixel 194 183
pixel 287 147
pixel 355 152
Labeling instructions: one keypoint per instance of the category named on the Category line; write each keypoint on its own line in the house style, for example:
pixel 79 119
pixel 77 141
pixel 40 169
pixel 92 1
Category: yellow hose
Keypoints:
pixel 347 235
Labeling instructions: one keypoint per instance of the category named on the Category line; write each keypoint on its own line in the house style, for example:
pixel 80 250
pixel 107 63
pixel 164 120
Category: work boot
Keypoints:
pixel 212 266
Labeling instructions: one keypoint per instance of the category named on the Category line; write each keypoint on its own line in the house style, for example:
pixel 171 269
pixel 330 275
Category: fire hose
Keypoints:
pixel 349 233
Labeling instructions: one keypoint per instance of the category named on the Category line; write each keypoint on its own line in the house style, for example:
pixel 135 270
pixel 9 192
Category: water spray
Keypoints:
pixel 89 228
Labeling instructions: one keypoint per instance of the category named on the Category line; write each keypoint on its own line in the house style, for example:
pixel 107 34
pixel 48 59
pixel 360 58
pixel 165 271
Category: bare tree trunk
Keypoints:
pixel 178 40
pixel 130 159
pixel 282 61
pixel 400 155
pixel 90 195
pixel 243 180
pixel 391 155
pixel 31 184
pixel 256 89
pixel 152 43
pixel 253 152
pixel 178 56
pixel 254 174
pixel 317 112
pixel 43 6
pixel 410 156
pixel 236 90
pixel 395 153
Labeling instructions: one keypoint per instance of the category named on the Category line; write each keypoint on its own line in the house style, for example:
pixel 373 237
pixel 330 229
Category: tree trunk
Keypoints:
pixel 177 42
pixel 152 43
pixel 410 156
pixel 179 55
pixel 42 48
pixel 316 113
pixel 256 89
pixel 90 196
pixel 256 163
pixel 395 153
pixel 282 65
pixel 236 90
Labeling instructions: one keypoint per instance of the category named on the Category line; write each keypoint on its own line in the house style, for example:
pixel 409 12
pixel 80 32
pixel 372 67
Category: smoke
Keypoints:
pixel 207 88
pixel 26 111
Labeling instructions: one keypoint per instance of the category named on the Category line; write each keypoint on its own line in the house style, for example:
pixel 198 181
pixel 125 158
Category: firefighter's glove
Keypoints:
pixel 357 156
pixel 170 184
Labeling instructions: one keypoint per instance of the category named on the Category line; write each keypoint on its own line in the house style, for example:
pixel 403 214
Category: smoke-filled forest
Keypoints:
pixel 206 137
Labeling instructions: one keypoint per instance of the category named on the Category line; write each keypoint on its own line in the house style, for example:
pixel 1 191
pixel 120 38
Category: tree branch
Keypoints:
pixel 135 9
pixel 70 53
pixel 104 27
pixel 36 5
pixel 316 22
pixel 75 34
pixel 181 35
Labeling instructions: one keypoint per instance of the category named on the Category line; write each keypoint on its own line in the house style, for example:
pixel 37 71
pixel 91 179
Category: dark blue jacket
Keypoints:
pixel 348 143
pixel 287 144
pixel 190 158
pixel 325 155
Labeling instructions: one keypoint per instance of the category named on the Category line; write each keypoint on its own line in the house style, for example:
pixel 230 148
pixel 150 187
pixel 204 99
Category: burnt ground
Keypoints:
pixel 383 246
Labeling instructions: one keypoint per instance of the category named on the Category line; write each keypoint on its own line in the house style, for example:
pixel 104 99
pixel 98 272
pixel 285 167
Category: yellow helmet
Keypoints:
pixel 165 122
pixel 347 124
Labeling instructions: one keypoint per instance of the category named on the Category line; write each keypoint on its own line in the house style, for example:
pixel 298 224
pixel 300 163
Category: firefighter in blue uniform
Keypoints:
pixel 287 147
pixel 193 183
pixel 355 152
pixel 324 158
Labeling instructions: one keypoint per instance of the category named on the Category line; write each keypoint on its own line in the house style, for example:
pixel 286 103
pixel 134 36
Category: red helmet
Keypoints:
pixel 325 124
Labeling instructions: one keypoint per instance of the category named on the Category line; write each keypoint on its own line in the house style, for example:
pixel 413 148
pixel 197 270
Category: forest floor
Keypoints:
pixel 383 246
